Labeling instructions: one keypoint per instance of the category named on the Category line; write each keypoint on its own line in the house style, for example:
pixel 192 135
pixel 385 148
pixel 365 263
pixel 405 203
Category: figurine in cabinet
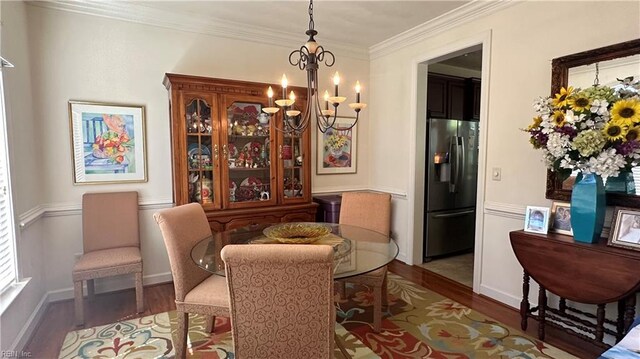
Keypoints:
pixel 240 161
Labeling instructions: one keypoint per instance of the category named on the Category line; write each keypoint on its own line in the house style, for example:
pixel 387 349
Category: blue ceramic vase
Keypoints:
pixel 588 204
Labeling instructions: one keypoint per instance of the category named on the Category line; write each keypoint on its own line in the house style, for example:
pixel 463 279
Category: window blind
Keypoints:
pixel 8 272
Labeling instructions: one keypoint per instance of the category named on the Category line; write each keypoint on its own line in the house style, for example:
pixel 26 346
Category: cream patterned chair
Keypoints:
pixel 111 244
pixel 371 211
pixel 281 298
pixel 197 291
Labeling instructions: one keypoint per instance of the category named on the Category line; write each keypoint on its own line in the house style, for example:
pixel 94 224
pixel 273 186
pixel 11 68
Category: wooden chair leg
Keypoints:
pixel 78 297
pixel 181 335
pixel 139 293
pixel 377 308
pixel 385 299
pixel 342 289
pixel 209 322
pixel 91 289
pixel 343 351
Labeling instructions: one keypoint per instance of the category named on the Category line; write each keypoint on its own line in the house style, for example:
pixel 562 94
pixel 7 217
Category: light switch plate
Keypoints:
pixel 496 173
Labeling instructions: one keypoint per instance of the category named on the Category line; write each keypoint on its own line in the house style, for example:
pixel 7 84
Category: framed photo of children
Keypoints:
pixel 561 218
pixel 337 148
pixel 536 220
pixel 625 228
pixel 108 142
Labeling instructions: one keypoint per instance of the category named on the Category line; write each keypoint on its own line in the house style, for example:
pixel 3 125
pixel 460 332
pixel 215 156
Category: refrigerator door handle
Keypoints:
pixel 456 214
pixel 463 159
pixel 453 148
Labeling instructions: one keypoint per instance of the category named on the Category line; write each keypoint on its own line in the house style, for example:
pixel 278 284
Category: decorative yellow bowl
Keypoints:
pixel 297 233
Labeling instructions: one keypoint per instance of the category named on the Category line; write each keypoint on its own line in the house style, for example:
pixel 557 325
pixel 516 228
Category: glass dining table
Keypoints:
pixel 356 250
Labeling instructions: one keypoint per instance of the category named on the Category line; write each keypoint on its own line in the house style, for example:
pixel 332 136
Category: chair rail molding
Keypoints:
pixel 470 11
pixel 200 24
pixel 75 209
pixel 506 210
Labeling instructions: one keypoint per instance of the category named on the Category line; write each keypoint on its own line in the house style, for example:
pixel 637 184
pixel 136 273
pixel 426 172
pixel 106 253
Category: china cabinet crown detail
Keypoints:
pixel 228 156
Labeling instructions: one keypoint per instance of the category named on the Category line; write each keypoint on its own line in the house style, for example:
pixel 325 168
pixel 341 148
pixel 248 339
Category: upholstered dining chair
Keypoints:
pixel 197 291
pixel 111 244
pixel 372 211
pixel 281 298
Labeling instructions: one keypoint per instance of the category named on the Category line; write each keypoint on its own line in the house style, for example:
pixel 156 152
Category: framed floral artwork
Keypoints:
pixel 337 148
pixel 107 142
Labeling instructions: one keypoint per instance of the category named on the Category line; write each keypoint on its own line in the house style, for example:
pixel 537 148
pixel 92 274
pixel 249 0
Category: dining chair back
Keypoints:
pixel 281 299
pixel 111 244
pixel 372 211
pixel 197 291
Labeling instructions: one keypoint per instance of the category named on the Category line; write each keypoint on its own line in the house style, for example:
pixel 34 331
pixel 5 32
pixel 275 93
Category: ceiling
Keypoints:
pixel 471 61
pixel 359 23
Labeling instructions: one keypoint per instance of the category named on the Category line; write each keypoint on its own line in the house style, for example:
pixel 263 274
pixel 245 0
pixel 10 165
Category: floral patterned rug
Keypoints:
pixel 418 323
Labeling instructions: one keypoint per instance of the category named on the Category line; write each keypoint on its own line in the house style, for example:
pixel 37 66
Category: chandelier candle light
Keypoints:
pixel 308 58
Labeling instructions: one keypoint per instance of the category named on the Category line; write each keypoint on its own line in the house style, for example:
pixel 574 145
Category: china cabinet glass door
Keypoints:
pixel 248 176
pixel 201 151
pixel 293 160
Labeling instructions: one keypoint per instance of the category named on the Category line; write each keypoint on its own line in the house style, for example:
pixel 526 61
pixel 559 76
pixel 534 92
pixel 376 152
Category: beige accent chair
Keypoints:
pixel 281 298
pixel 197 291
pixel 371 211
pixel 111 244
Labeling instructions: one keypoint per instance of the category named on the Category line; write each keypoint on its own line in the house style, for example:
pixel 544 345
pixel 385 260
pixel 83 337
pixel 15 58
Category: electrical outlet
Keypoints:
pixel 496 173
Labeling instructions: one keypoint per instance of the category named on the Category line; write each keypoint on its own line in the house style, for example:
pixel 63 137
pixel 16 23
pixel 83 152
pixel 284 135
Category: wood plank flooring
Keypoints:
pixel 111 307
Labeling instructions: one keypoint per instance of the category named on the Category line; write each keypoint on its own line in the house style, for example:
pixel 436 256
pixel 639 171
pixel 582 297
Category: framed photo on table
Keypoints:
pixel 561 218
pixel 536 220
pixel 107 142
pixel 625 228
pixel 337 148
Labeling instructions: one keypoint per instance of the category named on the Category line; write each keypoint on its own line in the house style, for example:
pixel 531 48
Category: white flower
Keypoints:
pixel 599 107
pixel 607 164
pixel 557 144
pixel 571 118
pixel 542 106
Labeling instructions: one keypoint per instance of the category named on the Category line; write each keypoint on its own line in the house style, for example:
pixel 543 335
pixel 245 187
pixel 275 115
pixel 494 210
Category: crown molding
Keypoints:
pixel 456 17
pixel 138 13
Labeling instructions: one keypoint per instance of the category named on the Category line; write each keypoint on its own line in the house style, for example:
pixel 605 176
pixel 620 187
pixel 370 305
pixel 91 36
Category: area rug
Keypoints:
pixel 417 323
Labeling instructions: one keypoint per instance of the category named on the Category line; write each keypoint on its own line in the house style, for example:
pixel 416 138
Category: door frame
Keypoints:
pixel 417 144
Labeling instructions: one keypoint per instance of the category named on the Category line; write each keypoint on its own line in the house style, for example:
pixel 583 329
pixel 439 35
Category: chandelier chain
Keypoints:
pixel 311 23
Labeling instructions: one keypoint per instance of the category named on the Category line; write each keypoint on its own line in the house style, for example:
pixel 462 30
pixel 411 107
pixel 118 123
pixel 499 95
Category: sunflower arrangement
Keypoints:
pixel 595 130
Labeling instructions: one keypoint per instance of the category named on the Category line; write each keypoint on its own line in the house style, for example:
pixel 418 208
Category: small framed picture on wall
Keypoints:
pixel 625 228
pixel 536 220
pixel 561 218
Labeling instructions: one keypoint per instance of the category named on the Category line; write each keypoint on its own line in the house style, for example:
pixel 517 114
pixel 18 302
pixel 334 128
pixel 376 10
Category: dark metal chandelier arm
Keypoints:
pixel 321 52
pixel 303 57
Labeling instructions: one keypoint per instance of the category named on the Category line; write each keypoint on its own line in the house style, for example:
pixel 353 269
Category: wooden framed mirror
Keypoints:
pixel 578 70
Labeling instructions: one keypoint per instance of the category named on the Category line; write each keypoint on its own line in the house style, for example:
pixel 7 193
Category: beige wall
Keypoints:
pixel 524 38
pixel 25 163
pixel 81 57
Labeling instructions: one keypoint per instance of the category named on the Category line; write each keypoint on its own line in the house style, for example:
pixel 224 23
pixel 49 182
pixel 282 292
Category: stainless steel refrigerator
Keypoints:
pixel 450 186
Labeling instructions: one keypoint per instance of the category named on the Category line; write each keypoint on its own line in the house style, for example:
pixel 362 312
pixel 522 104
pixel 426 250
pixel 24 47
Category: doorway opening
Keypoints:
pixel 451 158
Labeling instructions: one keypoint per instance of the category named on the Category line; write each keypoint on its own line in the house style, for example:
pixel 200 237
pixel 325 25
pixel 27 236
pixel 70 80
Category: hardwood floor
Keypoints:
pixel 111 307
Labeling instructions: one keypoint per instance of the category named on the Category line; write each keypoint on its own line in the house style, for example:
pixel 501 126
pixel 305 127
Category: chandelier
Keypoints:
pixel 308 57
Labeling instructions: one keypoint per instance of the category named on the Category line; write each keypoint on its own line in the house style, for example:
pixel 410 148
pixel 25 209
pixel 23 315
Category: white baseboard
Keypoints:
pixel 500 296
pixel 30 326
pixel 67 293
pixel 113 284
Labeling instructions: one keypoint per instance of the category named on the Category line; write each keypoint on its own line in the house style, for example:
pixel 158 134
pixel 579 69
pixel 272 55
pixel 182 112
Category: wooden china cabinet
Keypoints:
pixel 229 157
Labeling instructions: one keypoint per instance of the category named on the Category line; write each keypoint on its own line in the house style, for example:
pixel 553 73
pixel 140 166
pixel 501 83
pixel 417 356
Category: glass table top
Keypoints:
pixel 357 250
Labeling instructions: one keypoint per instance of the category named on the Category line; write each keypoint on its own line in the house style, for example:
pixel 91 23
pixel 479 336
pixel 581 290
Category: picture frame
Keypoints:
pixel 337 148
pixel 108 142
pixel 561 218
pixel 536 219
pixel 625 228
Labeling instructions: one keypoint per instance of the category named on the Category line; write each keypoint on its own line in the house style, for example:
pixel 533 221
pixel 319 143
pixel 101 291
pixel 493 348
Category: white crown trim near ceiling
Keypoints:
pixel 456 17
pixel 134 12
